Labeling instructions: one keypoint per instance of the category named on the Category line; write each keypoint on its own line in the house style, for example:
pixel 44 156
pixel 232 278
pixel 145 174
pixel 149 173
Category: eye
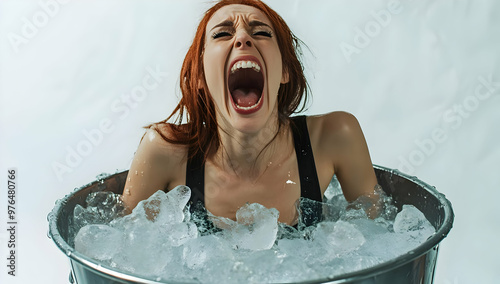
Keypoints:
pixel 264 33
pixel 220 34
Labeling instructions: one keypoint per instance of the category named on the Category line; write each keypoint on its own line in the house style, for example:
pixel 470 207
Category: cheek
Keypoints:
pixel 276 72
pixel 213 65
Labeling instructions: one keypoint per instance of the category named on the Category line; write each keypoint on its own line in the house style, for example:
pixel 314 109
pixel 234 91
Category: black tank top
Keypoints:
pixel 309 183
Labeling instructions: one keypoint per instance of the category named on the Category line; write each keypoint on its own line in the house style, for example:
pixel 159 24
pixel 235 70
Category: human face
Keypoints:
pixel 243 67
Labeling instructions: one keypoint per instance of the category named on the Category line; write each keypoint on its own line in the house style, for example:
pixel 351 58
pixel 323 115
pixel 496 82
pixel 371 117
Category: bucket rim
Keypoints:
pixel 105 270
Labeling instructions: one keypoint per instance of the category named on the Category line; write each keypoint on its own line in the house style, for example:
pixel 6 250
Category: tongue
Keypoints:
pixel 245 97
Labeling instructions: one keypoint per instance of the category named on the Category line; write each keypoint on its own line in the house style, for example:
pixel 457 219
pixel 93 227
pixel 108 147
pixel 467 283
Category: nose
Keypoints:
pixel 242 40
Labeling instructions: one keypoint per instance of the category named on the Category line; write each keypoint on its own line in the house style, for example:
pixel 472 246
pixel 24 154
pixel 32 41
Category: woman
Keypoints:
pixel 241 80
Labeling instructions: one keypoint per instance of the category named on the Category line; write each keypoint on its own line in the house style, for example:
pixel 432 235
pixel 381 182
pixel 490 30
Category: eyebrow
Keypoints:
pixel 258 23
pixel 228 23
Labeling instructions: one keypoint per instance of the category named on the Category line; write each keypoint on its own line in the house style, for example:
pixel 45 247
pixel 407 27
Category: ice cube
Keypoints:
pixel 310 212
pixel 98 241
pixel 413 222
pixel 369 227
pixel 147 248
pixel 342 237
pixel 178 234
pixel 81 218
pixel 146 257
pixel 200 252
pixel 164 208
pixel 287 232
pixel 352 214
pixel 104 206
pixel 334 188
pixel 300 248
pixel 256 228
pixel 334 208
pixel 179 196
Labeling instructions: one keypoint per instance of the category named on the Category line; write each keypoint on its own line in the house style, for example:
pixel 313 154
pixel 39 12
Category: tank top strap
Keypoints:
pixel 309 182
pixel 195 178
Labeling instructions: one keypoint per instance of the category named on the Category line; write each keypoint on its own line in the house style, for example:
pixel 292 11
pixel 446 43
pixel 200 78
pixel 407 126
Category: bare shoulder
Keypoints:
pixel 154 142
pixel 157 152
pixel 334 129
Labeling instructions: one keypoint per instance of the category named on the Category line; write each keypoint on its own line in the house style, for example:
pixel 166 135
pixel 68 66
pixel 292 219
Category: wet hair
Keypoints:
pixel 196 107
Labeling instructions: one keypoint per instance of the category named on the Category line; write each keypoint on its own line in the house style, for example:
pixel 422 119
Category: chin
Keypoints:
pixel 264 120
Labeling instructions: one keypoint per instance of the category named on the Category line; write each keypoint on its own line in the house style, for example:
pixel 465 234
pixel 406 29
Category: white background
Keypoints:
pixel 416 84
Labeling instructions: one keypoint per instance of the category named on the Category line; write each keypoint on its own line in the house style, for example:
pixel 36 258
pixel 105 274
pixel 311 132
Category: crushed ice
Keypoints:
pixel 161 239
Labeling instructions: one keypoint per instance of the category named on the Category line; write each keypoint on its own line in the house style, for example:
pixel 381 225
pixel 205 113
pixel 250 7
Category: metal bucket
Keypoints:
pixel 416 266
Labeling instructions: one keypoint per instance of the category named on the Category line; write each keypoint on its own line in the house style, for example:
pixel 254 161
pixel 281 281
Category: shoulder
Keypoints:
pixel 157 149
pixel 335 128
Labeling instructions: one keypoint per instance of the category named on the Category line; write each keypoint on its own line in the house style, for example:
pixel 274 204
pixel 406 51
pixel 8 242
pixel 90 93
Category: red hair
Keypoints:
pixel 200 132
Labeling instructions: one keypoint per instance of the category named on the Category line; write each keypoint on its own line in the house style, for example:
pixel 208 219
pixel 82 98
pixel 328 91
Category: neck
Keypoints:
pixel 248 155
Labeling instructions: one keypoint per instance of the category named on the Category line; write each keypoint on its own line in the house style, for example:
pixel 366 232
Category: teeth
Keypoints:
pixel 245 65
pixel 247 108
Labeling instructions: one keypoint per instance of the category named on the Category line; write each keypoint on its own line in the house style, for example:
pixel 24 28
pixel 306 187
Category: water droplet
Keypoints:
pixel 127 191
pixel 142 174
pixel 128 179
pixel 135 172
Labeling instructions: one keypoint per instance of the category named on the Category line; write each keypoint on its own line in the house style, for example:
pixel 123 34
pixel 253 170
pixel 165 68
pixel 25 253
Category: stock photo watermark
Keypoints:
pixel 31 26
pixel 371 29
pixel 12 219
pixel 92 138
pixel 453 119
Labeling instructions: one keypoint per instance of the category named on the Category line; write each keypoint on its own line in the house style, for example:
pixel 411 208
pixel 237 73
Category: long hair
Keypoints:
pixel 196 107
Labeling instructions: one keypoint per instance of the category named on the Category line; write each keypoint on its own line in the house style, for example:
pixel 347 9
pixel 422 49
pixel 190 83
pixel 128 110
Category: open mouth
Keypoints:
pixel 246 85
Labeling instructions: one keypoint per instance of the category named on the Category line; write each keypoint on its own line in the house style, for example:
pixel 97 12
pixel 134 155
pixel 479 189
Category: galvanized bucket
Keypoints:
pixel 416 266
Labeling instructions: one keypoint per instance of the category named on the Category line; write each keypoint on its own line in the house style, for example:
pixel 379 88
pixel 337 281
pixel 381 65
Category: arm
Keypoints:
pixel 345 143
